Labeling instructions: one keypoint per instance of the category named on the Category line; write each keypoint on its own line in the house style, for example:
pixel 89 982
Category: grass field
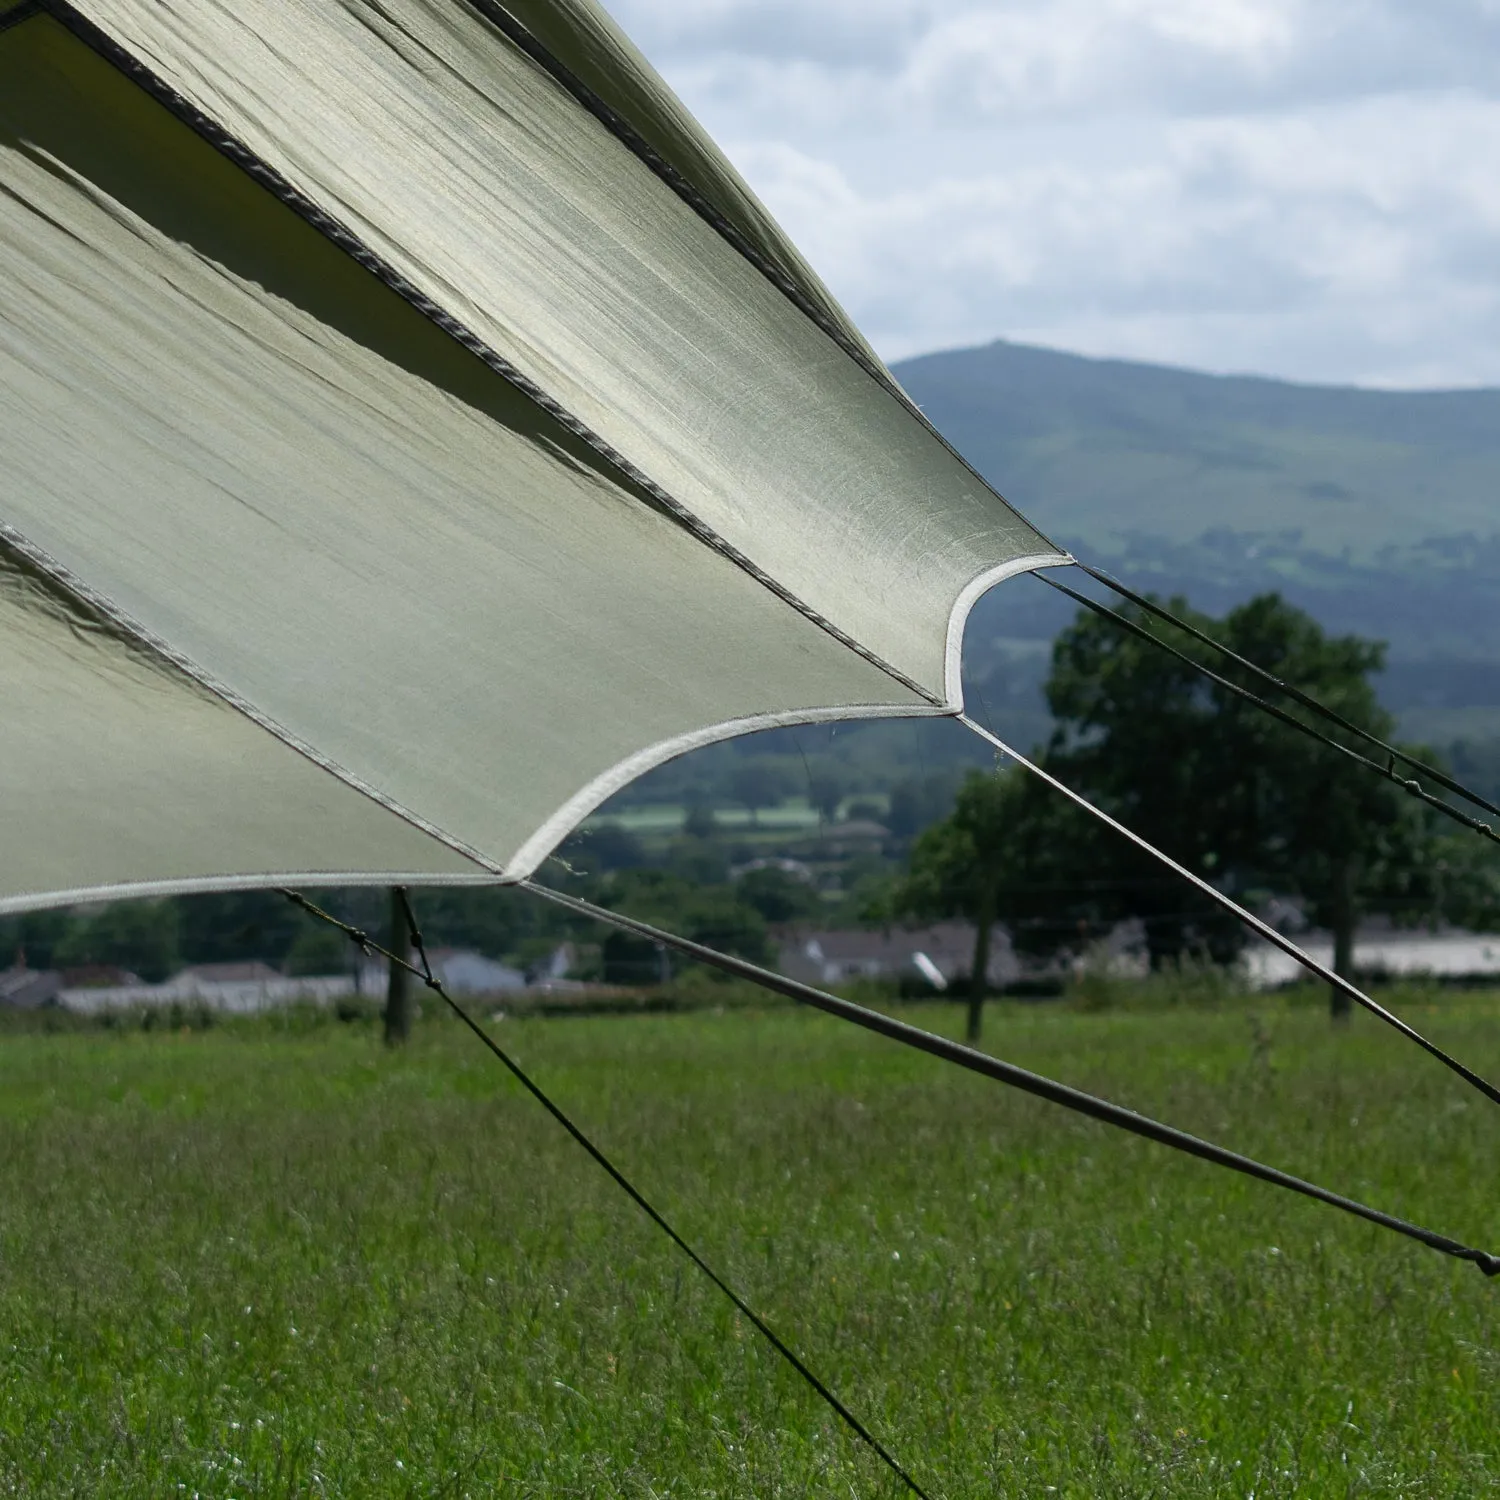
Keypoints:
pixel 255 1261
pixel 794 816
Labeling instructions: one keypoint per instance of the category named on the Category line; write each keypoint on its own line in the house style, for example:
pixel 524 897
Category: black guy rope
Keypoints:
pixel 1016 1077
pixel 1407 784
pixel 368 945
pixel 1254 923
pixel 1393 752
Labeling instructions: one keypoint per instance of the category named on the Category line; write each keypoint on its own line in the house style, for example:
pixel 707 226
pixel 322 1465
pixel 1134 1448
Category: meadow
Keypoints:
pixel 272 1259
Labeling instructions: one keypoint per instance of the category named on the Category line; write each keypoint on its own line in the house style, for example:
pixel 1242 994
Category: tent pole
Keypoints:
pixel 398 997
pixel 1007 1073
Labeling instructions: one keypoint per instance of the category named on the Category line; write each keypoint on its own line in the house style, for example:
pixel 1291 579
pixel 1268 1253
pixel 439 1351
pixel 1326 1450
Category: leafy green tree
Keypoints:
pixel 699 861
pixel 711 915
pixel 605 846
pixel 1135 734
pixel 32 937
pixel 717 919
pixel 777 895
pixel 1242 800
pixel 319 949
pixel 871 891
pixel 142 936
pixel 1011 851
pixel 700 822
pixel 825 790
pixel 1459 882
pixel 1309 821
pixel 232 926
pixel 759 783
pixel 918 802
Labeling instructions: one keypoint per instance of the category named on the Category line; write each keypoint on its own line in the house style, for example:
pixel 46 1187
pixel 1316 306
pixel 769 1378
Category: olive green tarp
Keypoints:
pixel 411 429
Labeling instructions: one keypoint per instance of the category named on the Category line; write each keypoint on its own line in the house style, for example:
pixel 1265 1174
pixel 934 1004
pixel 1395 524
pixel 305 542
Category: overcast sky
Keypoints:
pixel 1305 188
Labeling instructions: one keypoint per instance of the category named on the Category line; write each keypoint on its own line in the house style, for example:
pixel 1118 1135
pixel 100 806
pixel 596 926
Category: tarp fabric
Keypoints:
pixel 397 457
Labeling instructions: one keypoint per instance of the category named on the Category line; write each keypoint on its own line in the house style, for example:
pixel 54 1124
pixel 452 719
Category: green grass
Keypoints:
pixel 261 1262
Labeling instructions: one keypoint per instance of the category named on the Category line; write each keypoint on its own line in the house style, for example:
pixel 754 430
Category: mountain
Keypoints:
pixel 1378 511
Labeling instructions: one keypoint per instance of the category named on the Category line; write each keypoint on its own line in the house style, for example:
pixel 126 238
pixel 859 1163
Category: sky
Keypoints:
pixel 1301 188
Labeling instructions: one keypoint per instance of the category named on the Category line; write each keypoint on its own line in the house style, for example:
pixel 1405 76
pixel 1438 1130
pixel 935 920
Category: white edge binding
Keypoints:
pixel 953 681
pixel 141 890
pixel 68 582
pixel 524 863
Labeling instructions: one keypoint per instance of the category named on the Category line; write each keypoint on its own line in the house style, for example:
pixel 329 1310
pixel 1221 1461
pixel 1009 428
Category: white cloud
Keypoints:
pixel 1300 187
pixel 932 60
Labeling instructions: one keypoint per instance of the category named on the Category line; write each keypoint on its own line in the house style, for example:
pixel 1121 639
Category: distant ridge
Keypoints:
pixel 1377 510
pixel 1106 447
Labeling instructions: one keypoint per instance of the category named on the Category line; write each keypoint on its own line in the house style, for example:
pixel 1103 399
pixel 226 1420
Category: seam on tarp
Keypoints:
pixel 34 589
pixel 523 863
pixel 621 128
pixel 143 890
pixel 64 579
pixel 339 234
pixel 527 42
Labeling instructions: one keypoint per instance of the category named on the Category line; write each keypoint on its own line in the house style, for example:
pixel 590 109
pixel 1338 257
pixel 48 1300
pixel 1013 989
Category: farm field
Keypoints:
pixel 791 816
pixel 273 1260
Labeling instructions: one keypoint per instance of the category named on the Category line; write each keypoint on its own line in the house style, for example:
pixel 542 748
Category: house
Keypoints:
pixel 233 988
pixel 793 869
pixel 98 976
pixel 461 971
pixel 937 954
pixel 1390 952
pixel 29 989
pixel 464 972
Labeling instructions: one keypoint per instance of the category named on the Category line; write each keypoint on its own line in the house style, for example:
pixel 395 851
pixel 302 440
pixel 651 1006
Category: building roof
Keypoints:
pixel 826 956
pixel 28 989
pixel 251 971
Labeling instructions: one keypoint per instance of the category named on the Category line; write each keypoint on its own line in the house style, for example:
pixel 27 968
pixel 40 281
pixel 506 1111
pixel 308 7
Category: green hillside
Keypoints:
pixel 1110 450
pixel 1378 511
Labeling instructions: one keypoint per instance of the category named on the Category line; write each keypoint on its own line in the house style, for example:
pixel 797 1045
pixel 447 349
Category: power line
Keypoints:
pixel 1014 1076
pixel 1410 786
pixel 1142 601
pixel 368 945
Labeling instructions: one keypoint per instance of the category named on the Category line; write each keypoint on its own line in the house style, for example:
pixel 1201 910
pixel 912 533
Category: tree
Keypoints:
pixel 1011 851
pixel 31 937
pixel 233 926
pixel 699 861
pixel 495 920
pixel 917 803
pixel 141 936
pixel 318 949
pixel 1135 735
pixel 759 783
pixel 778 895
pixel 605 846
pixel 825 790
pixel 398 992
pixel 1242 800
pixel 699 822
pixel 1459 882
pixel 710 915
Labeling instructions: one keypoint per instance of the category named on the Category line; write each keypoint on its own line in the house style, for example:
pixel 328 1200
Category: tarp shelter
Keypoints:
pixel 411 429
